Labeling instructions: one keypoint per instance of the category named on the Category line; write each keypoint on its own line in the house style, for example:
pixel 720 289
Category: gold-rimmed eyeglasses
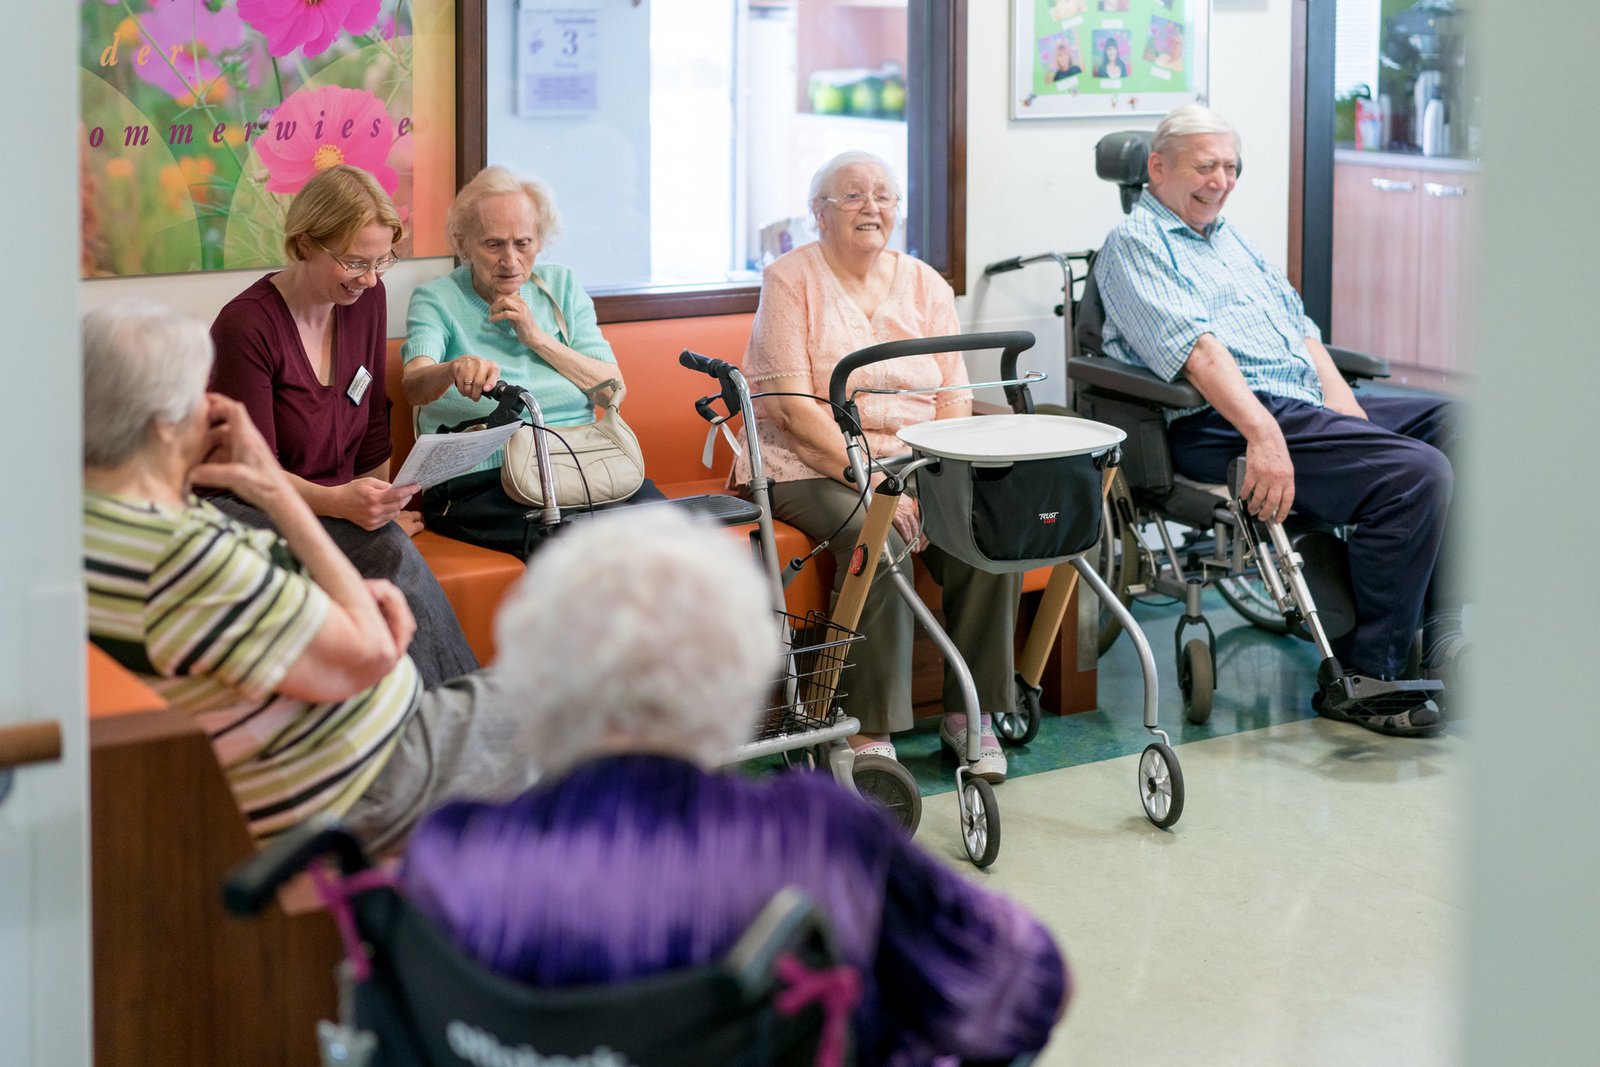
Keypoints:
pixel 856 201
pixel 357 267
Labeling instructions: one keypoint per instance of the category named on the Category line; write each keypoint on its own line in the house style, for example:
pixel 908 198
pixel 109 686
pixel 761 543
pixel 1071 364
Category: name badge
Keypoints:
pixel 358 386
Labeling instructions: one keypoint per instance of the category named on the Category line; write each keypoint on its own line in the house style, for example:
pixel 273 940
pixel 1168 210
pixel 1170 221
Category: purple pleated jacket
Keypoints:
pixel 632 865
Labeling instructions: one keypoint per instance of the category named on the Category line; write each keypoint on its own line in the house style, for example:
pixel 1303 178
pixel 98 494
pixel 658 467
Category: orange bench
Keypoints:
pixel 176 979
pixel 660 409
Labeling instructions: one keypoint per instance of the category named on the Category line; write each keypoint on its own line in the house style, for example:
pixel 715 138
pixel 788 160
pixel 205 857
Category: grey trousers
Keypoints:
pixel 461 743
pixel 980 611
pixel 439 649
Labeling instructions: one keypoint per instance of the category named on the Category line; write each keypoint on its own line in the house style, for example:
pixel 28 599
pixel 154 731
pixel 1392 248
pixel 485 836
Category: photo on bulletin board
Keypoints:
pixel 199 120
pixel 1107 57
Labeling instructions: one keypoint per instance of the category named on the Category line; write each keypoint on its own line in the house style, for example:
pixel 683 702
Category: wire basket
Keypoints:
pixel 806 692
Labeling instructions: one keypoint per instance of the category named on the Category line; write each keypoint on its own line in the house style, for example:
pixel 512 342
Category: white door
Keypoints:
pixel 44 894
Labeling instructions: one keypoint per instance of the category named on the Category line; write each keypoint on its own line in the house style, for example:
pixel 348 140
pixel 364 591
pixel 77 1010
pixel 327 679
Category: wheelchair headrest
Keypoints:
pixel 1124 157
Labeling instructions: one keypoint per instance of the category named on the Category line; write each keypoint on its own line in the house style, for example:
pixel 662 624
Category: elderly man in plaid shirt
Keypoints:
pixel 1186 294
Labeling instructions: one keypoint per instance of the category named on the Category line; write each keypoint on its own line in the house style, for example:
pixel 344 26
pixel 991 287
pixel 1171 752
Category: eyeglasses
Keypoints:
pixel 357 267
pixel 857 201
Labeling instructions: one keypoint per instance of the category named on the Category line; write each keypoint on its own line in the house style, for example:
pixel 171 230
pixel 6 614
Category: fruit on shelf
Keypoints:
pixel 892 97
pixel 827 98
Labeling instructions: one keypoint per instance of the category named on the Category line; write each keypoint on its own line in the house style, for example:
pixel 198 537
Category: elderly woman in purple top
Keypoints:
pixel 644 647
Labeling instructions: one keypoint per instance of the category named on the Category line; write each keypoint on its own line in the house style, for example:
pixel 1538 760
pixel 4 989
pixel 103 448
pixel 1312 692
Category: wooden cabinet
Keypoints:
pixel 1402 246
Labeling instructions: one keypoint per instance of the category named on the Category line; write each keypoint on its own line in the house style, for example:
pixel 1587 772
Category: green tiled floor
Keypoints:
pixel 1262 679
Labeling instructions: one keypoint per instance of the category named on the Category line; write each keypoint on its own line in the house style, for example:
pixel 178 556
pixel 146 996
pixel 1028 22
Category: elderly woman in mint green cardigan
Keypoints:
pixel 499 317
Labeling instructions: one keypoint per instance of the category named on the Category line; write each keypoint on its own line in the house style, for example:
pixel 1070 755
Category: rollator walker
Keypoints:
pixel 978 483
pixel 1289 576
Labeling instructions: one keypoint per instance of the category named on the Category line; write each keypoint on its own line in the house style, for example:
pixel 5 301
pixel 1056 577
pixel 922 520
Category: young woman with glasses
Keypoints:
pixel 303 349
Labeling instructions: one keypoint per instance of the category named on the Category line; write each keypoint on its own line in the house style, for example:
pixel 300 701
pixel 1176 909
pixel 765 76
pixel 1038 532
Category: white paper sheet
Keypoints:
pixel 440 456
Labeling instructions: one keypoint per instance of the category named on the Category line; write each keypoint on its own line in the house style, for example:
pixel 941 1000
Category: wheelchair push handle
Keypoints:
pixel 1012 344
pixel 252 883
pixel 1004 266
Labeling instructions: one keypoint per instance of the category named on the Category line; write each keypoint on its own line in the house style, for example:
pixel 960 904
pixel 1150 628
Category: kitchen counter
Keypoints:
pixel 1406 159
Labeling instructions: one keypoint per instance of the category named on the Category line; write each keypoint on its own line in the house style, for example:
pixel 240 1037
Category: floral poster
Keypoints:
pixel 200 120
pixel 1107 57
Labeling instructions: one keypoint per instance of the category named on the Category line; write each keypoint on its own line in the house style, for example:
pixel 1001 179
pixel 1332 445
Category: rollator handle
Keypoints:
pixel 251 884
pixel 724 372
pixel 1235 476
pixel 1012 344
pixel 1004 266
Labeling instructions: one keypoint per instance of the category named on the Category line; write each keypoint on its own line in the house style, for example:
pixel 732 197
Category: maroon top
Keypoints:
pixel 317 431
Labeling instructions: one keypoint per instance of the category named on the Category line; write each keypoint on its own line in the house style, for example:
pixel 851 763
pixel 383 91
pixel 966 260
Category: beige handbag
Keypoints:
pixel 594 464
pixel 604 464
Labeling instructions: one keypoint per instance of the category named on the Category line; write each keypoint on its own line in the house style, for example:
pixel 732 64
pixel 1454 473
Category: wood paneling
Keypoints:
pixel 1375 260
pixel 1447 248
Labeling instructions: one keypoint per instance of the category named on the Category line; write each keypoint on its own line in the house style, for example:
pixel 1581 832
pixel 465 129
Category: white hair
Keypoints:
pixel 462 223
pixel 143 365
pixel 1189 120
pixel 823 178
pixel 642 630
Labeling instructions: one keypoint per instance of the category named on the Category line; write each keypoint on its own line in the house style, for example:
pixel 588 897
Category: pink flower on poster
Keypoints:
pixel 310 25
pixel 320 128
pixel 184 40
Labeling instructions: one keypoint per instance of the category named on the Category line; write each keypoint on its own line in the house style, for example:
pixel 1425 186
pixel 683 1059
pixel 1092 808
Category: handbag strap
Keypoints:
pixel 563 336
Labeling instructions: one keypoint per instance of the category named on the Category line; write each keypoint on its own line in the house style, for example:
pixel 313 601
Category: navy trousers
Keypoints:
pixel 1391 477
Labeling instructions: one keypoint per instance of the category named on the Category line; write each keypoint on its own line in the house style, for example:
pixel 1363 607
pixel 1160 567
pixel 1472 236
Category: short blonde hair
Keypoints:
pixel 462 222
pixel 336 205
pixel 638 630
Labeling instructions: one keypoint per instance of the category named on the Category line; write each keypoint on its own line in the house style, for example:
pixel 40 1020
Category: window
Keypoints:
pixel 680 136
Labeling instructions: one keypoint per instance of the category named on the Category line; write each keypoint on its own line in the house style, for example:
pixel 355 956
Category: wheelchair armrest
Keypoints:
pixel 1115 376
pixel 1354 364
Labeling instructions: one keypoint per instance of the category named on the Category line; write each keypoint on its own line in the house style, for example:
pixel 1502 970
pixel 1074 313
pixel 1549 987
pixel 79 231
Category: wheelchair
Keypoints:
pixel 409 998
pixel 1284 577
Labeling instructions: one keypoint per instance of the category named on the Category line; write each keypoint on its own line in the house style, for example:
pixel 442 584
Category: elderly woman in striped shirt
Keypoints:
pixel 292 662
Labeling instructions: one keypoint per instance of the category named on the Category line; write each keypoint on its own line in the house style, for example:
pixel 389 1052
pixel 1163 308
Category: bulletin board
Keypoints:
pixel 1107 57
pixel 200 119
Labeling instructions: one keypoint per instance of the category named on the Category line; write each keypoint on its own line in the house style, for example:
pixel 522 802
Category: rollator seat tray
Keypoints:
pixel 1008 438
pixel 1012 492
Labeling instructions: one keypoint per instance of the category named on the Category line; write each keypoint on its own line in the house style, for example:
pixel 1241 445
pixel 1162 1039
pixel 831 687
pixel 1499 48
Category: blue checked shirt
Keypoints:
pixel 1164 285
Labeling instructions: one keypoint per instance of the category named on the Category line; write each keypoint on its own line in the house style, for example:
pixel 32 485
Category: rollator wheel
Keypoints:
pixel 1021 725
pixel 980 823
pixel 1161 784
pixel 1117 559
pixel 1197 676
pixel 888 784
pixel 1247 594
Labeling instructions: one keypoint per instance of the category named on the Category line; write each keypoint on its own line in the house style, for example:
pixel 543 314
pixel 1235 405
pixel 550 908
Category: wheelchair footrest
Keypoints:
pixel 1399 708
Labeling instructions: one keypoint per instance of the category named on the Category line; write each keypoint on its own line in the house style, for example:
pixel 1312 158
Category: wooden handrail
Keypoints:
pixel 29 742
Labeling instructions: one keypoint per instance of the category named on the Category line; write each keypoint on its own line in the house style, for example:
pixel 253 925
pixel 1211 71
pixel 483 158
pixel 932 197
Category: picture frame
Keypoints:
pixel 1074 58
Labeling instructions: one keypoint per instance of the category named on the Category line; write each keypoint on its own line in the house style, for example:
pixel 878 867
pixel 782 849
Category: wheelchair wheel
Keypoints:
pixel 980 823
pixel 1247 594
pixel 1160 785
pixel 887 783
pixel 1021 725
pixel 1197 678
pixel 1118 558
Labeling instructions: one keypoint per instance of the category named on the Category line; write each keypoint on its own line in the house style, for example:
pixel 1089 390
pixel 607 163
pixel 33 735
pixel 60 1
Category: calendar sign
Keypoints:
pixel 558 53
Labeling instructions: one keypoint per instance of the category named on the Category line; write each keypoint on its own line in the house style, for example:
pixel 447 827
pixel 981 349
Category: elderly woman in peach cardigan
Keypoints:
pixel 820 302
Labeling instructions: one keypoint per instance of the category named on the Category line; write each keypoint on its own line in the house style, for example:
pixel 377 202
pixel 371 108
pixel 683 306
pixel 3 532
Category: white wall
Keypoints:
pixel 1031 185
pixel 44 882
pixel 1532 864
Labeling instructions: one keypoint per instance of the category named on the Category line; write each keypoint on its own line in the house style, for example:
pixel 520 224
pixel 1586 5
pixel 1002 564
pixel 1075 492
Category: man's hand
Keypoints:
pixel 1268 489
pixel 410 522
pixel 395 611
pixel 510 307
pixel 237 458
pixel 1345 405
pixel 372 503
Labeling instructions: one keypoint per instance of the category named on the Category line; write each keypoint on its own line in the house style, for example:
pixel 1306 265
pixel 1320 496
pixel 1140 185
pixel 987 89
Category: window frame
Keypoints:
pixel 938 164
